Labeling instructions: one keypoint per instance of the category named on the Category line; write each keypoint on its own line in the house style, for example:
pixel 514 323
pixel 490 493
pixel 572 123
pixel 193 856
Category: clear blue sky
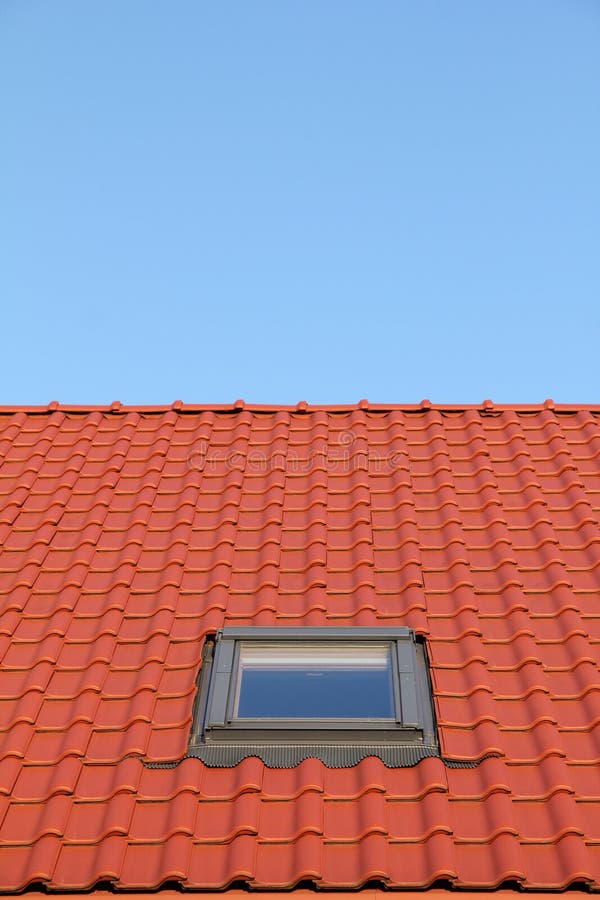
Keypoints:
pixel 299 199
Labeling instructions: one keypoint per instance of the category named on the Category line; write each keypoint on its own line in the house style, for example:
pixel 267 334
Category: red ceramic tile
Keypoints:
pixel 285 784
pixel 157 820
pixel 100 782
pixel 128 535
pixel 167 744
pixel 226 784
pixel 20 709
pixel 57 714
pixel 68 684
pixel 41 782
pixel 53 746
pixel 91 821
pixel 120 713
pixel 352 863
pixel 282 865
pixel 30 864
pixel 349 820
pixel 412 821
pixel 287 819
pixel 149 865
pixel 476 820
pixel 80 866
pixel 557 815
pixel 163 784
pixel 220 820
pixel 217 865
pixel 485 865
pixel 114 744
pixel 25 823
pixel 555 864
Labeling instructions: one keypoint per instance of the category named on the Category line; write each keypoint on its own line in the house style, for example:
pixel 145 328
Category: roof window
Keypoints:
pixel 288 693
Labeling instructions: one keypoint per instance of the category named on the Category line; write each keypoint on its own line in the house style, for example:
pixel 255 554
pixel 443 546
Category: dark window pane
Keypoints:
pixel 314 681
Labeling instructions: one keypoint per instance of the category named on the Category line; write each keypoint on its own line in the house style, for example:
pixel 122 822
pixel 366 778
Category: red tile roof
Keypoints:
pixel 129 534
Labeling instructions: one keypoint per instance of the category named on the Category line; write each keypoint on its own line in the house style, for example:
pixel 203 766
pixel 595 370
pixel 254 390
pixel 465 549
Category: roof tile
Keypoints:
pixel 128 535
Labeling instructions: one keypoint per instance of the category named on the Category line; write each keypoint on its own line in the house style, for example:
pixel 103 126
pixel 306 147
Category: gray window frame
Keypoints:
pixel 214 723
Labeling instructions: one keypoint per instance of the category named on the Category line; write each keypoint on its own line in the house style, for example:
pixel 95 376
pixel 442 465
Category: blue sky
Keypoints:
pixel 299 199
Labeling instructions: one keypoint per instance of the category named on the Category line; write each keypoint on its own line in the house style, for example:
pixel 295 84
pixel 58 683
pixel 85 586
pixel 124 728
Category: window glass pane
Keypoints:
pixel 314 680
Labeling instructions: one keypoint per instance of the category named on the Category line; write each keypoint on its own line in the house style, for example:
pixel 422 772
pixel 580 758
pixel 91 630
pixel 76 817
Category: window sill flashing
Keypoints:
pixel 333 755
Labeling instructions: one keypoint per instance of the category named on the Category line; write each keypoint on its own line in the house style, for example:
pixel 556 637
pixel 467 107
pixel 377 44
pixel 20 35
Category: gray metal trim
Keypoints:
pixel 425 693
pixel 411 735
pixel 408 688
pixel 408 757
pixel 287 756
pixel 325 633
pixel 220 683
pixel 311 731
pixel 202 684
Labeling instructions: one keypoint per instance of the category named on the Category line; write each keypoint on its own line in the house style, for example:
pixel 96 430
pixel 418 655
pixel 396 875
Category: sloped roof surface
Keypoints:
pixel 128 535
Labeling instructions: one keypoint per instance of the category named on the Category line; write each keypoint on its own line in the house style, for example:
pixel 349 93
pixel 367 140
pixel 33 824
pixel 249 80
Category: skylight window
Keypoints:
pixel 314 680
pixel 295 692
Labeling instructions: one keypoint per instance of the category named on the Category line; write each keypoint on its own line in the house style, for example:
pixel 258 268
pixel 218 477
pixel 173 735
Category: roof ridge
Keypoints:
pixel 116 407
